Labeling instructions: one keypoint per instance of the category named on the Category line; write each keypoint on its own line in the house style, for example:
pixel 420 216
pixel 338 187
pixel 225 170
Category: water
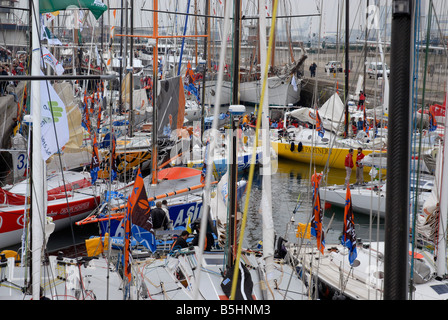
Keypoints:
pixel 291 180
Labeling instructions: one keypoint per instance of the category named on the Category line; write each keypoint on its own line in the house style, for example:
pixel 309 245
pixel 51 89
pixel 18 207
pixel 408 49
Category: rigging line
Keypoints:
pixel 38 153
pixel 416 190
pixel 254 149
pixel 60 159
pixel 216 110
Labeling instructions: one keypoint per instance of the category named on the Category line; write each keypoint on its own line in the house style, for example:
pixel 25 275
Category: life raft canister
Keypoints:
pixel 292 146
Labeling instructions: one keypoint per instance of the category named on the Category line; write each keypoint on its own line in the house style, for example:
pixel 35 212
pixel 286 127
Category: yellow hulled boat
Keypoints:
pixel 319 155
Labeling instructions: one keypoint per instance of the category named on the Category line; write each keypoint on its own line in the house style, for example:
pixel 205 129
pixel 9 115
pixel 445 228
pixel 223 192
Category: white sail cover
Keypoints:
pixel 331 113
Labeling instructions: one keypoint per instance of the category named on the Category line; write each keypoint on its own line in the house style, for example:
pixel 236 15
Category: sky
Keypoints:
pixel 330 9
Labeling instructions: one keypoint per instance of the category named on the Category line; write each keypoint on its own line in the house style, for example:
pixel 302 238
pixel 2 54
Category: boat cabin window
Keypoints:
pixel 215 260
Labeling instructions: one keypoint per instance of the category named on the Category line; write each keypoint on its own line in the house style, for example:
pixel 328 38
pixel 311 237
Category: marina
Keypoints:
pixel 223 150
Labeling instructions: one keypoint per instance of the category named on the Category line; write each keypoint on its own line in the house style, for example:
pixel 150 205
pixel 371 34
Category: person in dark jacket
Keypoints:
pixel 181 242
pixel 313 68
pixel 209 239
pixel 159 218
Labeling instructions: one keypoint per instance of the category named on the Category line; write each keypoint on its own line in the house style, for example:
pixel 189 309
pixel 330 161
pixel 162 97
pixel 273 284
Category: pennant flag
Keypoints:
pixel 85 116
pixel 113 168
pixel 49 59
pixel 49 16
pixel 138 206
pixel 51 38
pixel 294 83
pixel 188 227
pixel 95 164
pixel 137 213
pixel 316 223
pixel 98 122
pixel 95 6
pixel 144 237
pixel 189 74
pixel 204 165
pixel 365 126
pixel 98 58
pixel 432 121
pixel 349 235
pixel 191 89
pixel 319 127
pixel 54 121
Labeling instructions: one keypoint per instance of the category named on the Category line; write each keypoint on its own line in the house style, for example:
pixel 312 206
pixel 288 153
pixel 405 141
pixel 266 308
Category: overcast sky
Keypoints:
pixel 333 11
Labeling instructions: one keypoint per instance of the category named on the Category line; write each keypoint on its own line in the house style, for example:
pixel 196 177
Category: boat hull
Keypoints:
pixel 62 212
pixel 211 89
pixel 318 155
pixel 179 214
pixel 362 201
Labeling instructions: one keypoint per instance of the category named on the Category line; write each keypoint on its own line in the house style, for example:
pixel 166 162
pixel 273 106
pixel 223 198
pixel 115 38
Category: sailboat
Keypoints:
pixel 324 144
pixel 411 262
pixel 192 273
pixel 283 80
pixel 33 278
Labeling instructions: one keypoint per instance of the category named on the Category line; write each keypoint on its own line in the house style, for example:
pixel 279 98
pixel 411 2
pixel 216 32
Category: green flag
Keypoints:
pixel 95 6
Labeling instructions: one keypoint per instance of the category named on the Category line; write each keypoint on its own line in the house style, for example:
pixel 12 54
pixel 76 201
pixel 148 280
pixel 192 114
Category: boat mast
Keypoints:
pixel 183 40
pixel 131 79
pixel 233 176
pixel 397 193
pixel 441 250
pixel 38 174
pixel 266 199
pixel 365 51
pixel 347 48
pixel 207 32
pixel 155 63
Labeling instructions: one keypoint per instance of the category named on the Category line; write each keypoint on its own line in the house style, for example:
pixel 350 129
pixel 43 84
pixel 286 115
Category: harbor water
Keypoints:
pixel 290 190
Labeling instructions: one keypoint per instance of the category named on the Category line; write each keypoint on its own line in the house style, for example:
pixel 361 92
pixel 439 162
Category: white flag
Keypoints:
pixel 98 59
pixel 52 124
pixel 52 61
pixel 294 83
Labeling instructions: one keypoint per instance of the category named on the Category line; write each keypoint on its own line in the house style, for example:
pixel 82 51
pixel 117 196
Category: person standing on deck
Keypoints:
pixel 313 68
pixel 181 241
pixel 359 168
pixel 348 165
pixel 159 218
pixel 362 99
pixel 167 211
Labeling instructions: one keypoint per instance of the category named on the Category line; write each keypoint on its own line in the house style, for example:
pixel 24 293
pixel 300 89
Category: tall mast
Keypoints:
pixel 183 39
pixel 266 199
pixel 131 79
pixel 38 175
pixel 396 249
pixel 207 31
pixel 347 61
pixel 155 66
pixel 365 50
pixel 233 176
